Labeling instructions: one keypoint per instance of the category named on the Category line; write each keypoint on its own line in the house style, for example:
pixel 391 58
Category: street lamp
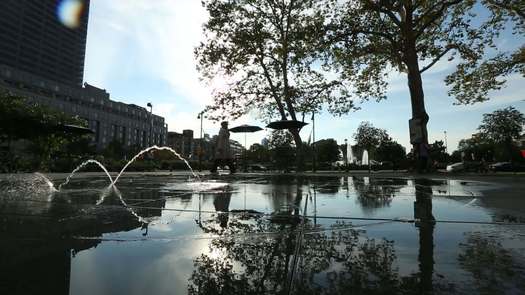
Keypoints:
pixel 151 123
pixel 446 144
pixel 200 116
pixel 346 157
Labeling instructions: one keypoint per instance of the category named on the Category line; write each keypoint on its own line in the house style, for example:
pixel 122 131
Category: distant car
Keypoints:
pixel 258 167
pixel 507 167
pixel 456 167
pixel 501 166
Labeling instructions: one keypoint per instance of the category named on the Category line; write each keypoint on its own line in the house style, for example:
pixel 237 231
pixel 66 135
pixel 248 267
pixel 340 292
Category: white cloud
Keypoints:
pixel 154 38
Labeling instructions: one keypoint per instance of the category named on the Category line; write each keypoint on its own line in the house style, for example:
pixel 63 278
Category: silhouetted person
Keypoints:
pixel 222 150
pixel 144 226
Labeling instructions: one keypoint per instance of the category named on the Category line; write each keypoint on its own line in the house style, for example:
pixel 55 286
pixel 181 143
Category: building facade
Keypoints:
pixel 32 39
pixel 131 125
pixel 43 60
pixel 182 142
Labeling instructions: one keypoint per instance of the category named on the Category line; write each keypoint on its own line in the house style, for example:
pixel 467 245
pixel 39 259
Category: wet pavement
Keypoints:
pixel 164 234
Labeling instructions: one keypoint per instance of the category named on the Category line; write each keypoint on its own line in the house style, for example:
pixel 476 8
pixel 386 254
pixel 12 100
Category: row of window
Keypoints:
pixel 111 107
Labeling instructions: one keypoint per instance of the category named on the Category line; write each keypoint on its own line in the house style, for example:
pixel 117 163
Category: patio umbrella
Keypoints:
pixel 74 129
pixel 245 129
pixel 286 124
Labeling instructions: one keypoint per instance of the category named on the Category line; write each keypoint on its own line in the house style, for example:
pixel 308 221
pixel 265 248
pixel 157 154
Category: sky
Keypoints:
pixel 141 51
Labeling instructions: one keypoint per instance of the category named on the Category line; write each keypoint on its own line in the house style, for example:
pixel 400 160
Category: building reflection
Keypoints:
pixel 40 237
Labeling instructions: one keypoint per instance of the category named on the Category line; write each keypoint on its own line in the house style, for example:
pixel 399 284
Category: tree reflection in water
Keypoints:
pixel 253 255
pixel 493 268
pixel 374 193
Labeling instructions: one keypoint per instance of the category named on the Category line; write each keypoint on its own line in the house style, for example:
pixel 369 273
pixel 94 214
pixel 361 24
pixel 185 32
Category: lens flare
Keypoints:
pixel 69 13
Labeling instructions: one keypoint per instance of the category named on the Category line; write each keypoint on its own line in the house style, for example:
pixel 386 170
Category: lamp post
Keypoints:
pixel 151 123
pixel 446 147
pixel 346 156
pixel 200 116
pixel 446 144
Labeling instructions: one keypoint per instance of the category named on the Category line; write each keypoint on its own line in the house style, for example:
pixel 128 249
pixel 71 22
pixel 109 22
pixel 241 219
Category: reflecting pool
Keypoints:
pixel 163 234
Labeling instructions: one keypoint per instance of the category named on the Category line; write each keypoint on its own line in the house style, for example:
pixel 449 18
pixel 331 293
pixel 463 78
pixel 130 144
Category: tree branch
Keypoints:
pixel 272 88
pixel 390 14
pixel 508 6
pixel 437 58
pixel 433 16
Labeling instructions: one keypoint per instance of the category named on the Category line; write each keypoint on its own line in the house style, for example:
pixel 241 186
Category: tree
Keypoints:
pixel 438 152
pixel 472 81
pixel 367 39
pixel 258 153
pixel 369 138
pixel 282 149
pixel 391 151
pixel 502 126
pixel 478 147
pixel 40 125
pixel 327 150
pixel 265 52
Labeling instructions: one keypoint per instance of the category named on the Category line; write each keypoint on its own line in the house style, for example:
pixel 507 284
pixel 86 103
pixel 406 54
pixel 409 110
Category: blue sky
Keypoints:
pixel 142 51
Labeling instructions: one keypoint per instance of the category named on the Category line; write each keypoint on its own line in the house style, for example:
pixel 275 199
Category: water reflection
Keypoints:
pixel 332 260
pixel 40 237
pixel 221 202
pixel 425 223
pixel 376 193
pixel 226 246
pixel 495 269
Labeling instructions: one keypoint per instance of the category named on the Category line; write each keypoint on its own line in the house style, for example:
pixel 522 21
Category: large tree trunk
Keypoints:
pixel 417 96
pixel 299 148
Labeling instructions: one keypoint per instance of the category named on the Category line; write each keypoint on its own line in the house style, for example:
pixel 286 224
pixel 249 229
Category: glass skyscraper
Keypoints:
pixel 32 39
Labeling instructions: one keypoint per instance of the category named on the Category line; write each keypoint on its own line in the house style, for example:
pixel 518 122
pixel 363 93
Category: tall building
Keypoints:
pixel 182 142
pixel 32 39
pixel 42 59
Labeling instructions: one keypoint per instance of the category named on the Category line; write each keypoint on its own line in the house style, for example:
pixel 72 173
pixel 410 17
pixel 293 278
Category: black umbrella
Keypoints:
pixel 245 129
pixel 286 124
pixel 74 129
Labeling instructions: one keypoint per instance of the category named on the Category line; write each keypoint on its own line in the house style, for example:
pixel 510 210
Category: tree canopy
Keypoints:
pixel 327 150
pixel 390 150
pixel 369 137
pixel 502 125
pixel 20 119
pixel 265 51
pixel 472 80
pixel 366 39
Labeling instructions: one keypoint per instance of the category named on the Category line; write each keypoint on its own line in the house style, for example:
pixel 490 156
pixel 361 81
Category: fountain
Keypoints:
pixel 47 181
pixel 364 159
pixel 157 148
pixel 349 154
pixel 111 189
pixel 84 164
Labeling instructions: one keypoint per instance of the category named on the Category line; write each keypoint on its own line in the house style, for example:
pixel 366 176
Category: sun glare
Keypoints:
pixel 69 13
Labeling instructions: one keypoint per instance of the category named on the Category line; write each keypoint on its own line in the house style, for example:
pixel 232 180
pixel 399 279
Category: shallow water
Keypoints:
pixel 268 235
